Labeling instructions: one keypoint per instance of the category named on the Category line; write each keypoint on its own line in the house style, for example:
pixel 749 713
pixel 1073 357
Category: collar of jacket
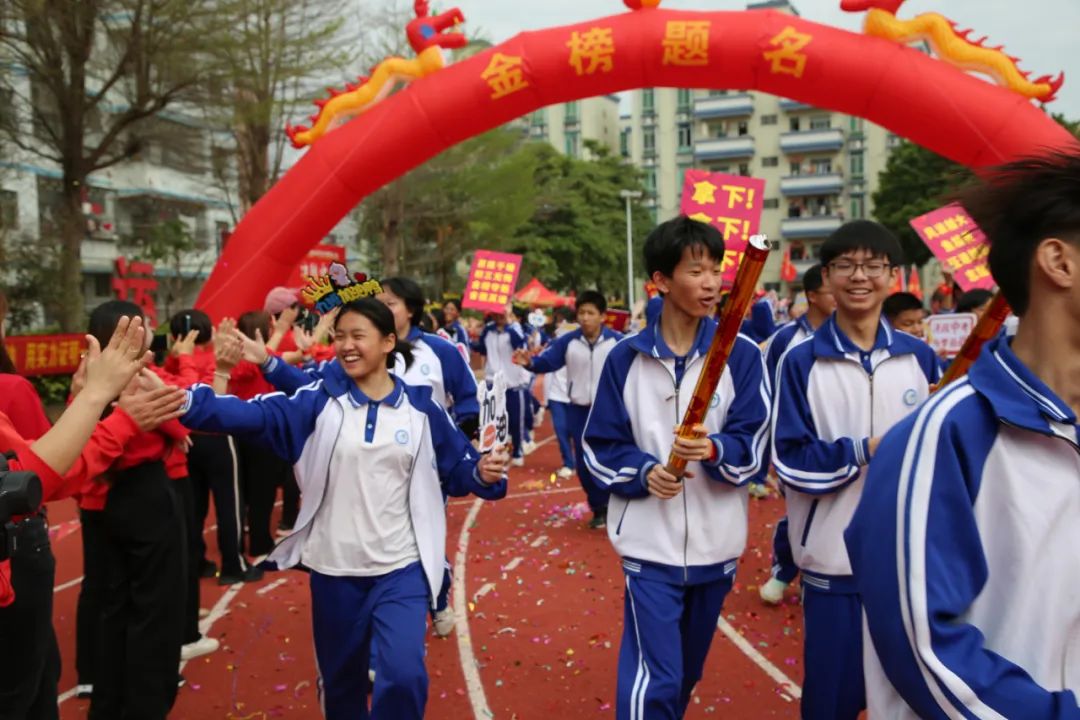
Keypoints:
pixel 650 342
pixel 830 340
pixel 1016 394
pixel 337 383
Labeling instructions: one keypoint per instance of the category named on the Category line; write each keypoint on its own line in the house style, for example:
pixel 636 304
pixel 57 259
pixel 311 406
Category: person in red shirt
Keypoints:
pixel 76 448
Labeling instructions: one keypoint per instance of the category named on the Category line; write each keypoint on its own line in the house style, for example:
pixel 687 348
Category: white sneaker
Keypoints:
pixel 84 691
pixel 528 446
pixel 772 592
pixel 201 647
pixel 518 462
pixel 444 621
pixel 539 417
pixel 203 613
pixel 565 473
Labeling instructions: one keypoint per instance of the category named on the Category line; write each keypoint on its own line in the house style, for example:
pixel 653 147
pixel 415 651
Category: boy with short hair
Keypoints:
pixel 836 393
pixel 905 312
pixel 820 305
pixel 964 542
pixel 582 352
pixel 679 554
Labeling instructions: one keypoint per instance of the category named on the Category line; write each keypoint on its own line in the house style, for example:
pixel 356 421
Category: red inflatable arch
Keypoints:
pixel 916 96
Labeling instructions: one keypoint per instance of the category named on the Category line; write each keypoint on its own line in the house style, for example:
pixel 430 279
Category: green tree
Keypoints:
pixel 914 182
pixel 576 237
pixel 92 73
pixel 169 244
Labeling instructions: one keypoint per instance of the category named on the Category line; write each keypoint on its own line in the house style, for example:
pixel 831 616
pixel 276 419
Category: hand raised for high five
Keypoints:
pixel 150 408
pixel 109 370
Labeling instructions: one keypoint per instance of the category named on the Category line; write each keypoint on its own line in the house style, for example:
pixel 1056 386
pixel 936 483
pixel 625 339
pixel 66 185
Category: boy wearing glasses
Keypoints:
pixel 836 394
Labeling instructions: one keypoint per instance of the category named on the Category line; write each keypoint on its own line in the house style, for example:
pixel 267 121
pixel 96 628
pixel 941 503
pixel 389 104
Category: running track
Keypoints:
pixel 544 616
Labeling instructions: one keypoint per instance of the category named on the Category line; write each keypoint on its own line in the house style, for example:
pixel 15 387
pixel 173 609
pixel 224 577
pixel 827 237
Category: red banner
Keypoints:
pixel 617 320
pixel 958 244
pixel 316 264
pixel 45 354
pixel 492 281
pixel 730 203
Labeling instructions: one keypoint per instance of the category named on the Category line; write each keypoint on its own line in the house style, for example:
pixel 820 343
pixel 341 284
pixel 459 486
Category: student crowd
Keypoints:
pixel 934 529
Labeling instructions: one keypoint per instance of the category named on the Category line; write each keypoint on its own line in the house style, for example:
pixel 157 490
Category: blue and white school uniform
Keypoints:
pixel 556 393
pixel 584 362
pixel 498 347
pixel 458 333
pixel 830 397
pixel 371 527
pixel 439 365
pixel 964 547
pixel 679 556
pixel 783 568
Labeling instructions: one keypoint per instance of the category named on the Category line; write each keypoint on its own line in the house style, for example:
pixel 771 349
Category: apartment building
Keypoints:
pixel 569 125
pixel 820 167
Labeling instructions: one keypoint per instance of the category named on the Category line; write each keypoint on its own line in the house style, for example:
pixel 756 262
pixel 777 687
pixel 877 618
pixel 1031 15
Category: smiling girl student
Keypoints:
pixel 373 457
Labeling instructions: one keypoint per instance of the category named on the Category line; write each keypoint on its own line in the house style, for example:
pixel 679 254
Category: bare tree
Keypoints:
pixel 92 73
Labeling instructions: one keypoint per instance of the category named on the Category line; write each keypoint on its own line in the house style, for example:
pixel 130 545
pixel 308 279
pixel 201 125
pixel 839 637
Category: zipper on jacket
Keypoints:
pixel 686 517
pixel 809 522
pixel 618 528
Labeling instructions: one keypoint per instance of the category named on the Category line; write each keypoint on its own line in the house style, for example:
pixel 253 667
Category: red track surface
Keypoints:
pixel 545 633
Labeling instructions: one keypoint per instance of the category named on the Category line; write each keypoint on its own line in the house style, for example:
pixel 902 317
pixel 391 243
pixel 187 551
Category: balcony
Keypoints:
pixel 829 139
pixel 724 148
pixel 810 226
pixel 800 185
pixel 723 106
pixel 794 105
pixel 801 266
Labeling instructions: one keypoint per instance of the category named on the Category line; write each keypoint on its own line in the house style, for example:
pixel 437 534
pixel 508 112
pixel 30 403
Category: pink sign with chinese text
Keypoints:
pixel 958 244
pixel 492 281
pixel 730 203
pixel 316 264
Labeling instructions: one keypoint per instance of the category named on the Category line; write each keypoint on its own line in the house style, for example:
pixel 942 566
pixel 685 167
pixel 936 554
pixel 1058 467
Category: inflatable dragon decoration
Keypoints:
pixel 427 35
pixel 953 46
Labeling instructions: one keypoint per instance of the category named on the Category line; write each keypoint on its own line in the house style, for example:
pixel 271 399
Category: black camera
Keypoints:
pixel 20 494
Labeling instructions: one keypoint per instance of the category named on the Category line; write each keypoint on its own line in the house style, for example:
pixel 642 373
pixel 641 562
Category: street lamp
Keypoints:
pixel 629 195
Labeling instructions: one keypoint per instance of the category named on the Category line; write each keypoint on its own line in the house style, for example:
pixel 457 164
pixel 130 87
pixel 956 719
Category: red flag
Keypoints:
pixel 914 286
pixel 898 286
pixel 788 273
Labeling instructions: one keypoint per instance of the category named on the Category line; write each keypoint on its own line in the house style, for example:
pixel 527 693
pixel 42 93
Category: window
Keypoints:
pixel 9 210
pixel 796 169
pixel 744 169
pixel 771 161
pixel 571 111
pixel 683 167
pixel 624 142
pixel 856 124
pixel 219 160
pixel 648 100
pixel 650 182
pixel 821 166
pixel 686 137
pixel 102 284
pixel 858 208
pixel 572 147
pixel 857 163
pixel 772 203
pixel 744 128
pixel 769 119
pixel 717 93
pixel 221 233
pixel 538 118
pixel 684 100
pixel 794 124
pixel 820 122
pixel 649 139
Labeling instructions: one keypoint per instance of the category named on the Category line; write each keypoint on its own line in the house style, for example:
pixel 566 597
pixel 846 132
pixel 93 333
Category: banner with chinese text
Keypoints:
pixel 316 264
pixel 730 203
pixel 492 281
pixel 617 320
pixel 45 354
pixel 958 244
pixel 947 333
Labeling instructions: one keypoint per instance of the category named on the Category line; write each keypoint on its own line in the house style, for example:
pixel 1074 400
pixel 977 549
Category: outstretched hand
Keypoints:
pixel 493 466
pixel 150 408
pixel 109 370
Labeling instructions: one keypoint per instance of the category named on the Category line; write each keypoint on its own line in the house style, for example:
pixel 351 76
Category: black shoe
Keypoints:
pixel 284 526
pixel 599 520
pixel 252 574
pixel 209 569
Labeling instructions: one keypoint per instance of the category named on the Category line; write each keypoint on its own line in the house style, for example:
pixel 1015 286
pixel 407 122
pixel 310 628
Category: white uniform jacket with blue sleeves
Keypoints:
pixel 697 536
pixel 965 551
pixel 498 347
pixel 583 361
pixel 304 427
pixel 829 399
pixel 778 343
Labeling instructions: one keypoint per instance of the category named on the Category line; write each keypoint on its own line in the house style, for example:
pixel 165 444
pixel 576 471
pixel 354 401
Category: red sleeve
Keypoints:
pixel 322 352
pixel 7 593
pixel 173 430
pixel 180 372
pixel 101 451
pixel 287 343
pixel 20 402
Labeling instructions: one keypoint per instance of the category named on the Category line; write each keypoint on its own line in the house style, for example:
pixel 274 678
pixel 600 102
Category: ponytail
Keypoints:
pixel 405 350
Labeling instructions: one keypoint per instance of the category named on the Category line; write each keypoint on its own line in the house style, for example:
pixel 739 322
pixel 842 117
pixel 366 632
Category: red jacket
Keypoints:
pixel 201 370
pixel 159 444
pixel 105 445
pixel 247 381
pixel 20 402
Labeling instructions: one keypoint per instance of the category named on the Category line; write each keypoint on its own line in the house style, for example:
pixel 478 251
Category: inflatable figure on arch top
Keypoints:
pixel 953 46
pixel 377 136
pixel 427 36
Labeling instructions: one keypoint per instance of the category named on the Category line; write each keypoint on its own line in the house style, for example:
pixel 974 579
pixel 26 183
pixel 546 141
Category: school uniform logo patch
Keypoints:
pixel 714 401
pixel 425 369
pixel 911 397
pixel 402 437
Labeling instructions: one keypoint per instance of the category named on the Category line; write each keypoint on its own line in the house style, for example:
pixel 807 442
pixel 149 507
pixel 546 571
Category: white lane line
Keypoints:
pixel 533 493
pixel 69 583
pixel 512 564
pixel 469 668
pixel 276 584
pixel 538 541
pixel 760 660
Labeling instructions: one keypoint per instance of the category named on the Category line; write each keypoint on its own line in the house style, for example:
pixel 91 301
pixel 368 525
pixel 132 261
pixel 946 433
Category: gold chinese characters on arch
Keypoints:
pixel 504 75
pixel 686 43
pixel 592 51
pixel 785 56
